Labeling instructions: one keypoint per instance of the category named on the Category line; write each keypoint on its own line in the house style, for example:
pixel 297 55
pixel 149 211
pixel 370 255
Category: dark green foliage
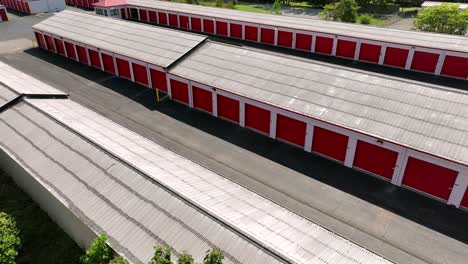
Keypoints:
pixel 98 253
pixel 364 19
pixel 185 258
pixel 219 3
pixel 344 10
pixel 446 18
pixel 119 260
pixel 9 239
pixel 277 7
pixel 162 255
pixel 213 256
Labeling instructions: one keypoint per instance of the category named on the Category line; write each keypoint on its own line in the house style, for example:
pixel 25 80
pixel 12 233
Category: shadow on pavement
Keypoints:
pixel 428 212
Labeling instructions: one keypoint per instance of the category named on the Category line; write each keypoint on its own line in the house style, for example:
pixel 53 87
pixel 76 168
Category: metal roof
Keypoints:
pixel 121 201
pixel 425 117
pixel 434 3
pixel 149 44
pixel 412 38
pixel 6 95
pixel 22 83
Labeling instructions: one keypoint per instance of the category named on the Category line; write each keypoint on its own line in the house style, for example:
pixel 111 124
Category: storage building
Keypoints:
pixel 81 3
pixel 409 133
pixel 430 53
pixel 3 14
pixel 34 6
pixel 427 4
pixel 94 176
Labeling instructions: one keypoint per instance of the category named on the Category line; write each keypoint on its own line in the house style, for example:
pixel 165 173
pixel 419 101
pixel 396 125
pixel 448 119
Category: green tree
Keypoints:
pixel 162 255
pixel 98 253
pixel 344 10
pixel 277 7
pixel 219 3
pixel 9 239
pixel 119 260
pixel 446 18
pixel 185 258
pixel 213 256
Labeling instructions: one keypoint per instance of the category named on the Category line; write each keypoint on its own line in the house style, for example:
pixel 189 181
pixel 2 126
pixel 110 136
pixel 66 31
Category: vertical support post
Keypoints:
pixel 214 98
pixel 273 118
pixel 383 50
pixel 440 63
pixel 241 113
pixel 409 61
pixel 335 45
pixel 309 137
pixel 350 152
pixel 459 189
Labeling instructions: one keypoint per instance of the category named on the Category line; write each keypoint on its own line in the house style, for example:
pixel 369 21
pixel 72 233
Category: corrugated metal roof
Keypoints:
pixel 6 95
pixel 22 83
pixel 86 169
pixel 424 117
pixel 149 44
pixel 412 38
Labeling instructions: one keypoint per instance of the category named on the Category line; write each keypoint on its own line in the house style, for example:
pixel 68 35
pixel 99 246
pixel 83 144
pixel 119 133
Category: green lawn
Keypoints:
pixel 407 9
pixel 252 9
pixel 42 240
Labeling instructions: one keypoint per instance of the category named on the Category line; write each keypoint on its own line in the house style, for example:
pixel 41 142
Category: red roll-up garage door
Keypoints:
pixel 108 62
pixel 50 43
pixel 158 79
pixel 221 28
pixel 396 57
pixel 173 21
pixel 140 74
pixel 455 66
pixel 424 61
pixel 303 42
pixel 180 91
pixel 429 178
pixel 40 40
pixel 267 36
pixel 330 143
pixel 375 159
pixel 202 99
pixel 94 58
pixel 290 130
pixel 346 48
pixel 184 21
pixel 143 15
pixel 162 18
pixel 324 45
pixel 70 50
pixel 235 30
pixel 124 68
pixel 152 17
pixel 228 108
pixel 82 54
pixel 251 33
pixel 285 39
pixel 369 52
pixel 208 25
pixel 257 118
pixel 196 23
pixel 464 202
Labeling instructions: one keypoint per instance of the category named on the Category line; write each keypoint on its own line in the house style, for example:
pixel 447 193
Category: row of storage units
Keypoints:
pixel 3 14
pixel 423 52
pixel 34 6
pixel 401 131
pixel 81 3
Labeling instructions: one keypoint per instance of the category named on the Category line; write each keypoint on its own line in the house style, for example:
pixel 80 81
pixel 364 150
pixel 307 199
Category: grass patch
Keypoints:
pixel 252 9
pixel 371 20
pixel 304 4
pixel 41 239
pixel 409 9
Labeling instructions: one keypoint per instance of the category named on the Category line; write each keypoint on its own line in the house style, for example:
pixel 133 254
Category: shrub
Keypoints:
pixel 162 255
pixel 365 19
pixel 344 10
pixel 185 258
pixel 328 12
pixel 446 18
pixel 277 7
pixel 213 256
pixel 219 3
pixel 99 252
pixel 9 239
pixel 119 260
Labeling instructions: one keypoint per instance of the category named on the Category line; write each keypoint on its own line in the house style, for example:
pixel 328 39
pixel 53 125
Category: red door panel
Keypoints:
pixel 324 45
pixel 455 66
pixel 158 80
pixel 285 39
pixel 162 18
pixel 202 99
pixel 290 130
pixel 464 202
pixel 50 44
pixel 82 54
pixel 108 62
pixel 346 49
pixel 123 67
pixel 123 13
pixel 208 26
pixel 180 91
pixel 143 15
pixel 228 108
pixel 40 40
pixel 375 159
pixel 94 58
pixel 140 74
pixel 424 61
pixel 257 118
pixel 303 41
pixel 59 46
pixel 173 20
pixel 267 36
pixel 330 144
pixel 251 33
pixel 221 28
pixel 369 52
pixel 184 22
pixel 70 50
pixel 152 17
pixel 236 31
pixel 196 23
pixel 429 178
pixel 396 57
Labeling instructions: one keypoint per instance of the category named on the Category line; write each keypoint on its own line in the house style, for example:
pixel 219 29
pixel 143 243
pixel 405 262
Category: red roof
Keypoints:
pixel 110 3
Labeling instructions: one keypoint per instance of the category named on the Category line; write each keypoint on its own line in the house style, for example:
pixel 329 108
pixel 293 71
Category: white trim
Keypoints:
pixel 214 101
pixel 293 46
pixel 400 166
pixel 273 120
pixel 76 52
pixel 429 50
pixel 64 48
pixel 357 50
pixel 437 161
pixel 459 189
pixel 409 59
pixel 114 58
pixel 242 113
pixel 350 152
pixel 383 50
pixel 243 31
pixel 440 64
pixel 335 46
pixel 313 44
pixel 457 54
pixel 309 137
pixel 275 37
pixel 168 83
pixel 148 74
pixel 190 94
pixel 87 55
pixel 100 59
